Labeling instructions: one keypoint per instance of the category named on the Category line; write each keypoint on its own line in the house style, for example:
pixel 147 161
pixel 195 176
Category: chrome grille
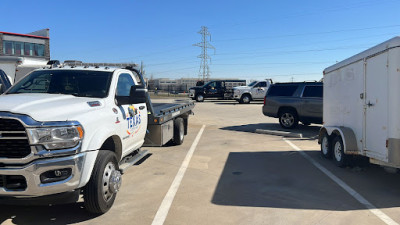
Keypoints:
pixel 11 125
pixel 14 142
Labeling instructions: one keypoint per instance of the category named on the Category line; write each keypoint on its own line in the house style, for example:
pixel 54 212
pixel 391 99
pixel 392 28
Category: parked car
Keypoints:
pixel 294 102
pixel 221 89
pixel 254 91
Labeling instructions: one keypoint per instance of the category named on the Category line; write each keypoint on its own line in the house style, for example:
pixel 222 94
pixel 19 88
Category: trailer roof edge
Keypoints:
pixel 391 43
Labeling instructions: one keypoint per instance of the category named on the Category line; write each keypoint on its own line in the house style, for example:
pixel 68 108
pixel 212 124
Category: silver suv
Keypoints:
pixel 294 102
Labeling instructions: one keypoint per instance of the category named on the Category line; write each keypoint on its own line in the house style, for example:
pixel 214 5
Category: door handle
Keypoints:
pixel 370 104
pixel 141 107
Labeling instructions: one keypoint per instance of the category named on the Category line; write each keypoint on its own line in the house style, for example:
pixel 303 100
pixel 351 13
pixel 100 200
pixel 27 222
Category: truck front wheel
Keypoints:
pixel 245 99
pixel 338 152
pixel 100 192
pixel 179 131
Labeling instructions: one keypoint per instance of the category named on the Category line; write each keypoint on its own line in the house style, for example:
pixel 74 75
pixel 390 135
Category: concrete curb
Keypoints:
pixel 279 133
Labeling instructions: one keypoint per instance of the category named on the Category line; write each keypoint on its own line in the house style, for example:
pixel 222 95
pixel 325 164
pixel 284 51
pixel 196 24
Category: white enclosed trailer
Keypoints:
pixel 17 67
pixel 361 106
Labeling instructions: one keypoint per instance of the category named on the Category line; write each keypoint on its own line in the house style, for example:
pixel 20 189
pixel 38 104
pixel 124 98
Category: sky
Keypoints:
pixel 254 39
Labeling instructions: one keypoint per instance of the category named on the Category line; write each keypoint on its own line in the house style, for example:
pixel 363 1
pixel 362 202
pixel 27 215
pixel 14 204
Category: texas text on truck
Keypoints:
pixel 76 129
pixel 361 107
pixel 221 89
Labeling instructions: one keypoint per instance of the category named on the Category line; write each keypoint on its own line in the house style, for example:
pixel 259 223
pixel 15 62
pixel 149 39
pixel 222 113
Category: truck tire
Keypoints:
pixel 326 146
pixel 100 192
pixel 245 99
pixel 179 131
pixel 200 98
pixel 338 152
pixel 288 119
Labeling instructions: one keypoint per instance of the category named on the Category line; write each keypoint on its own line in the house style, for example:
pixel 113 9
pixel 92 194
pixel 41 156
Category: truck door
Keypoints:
pixel 221 89
pixel 133 124
pixel 376 106
pixel 211 90
pixel 259 90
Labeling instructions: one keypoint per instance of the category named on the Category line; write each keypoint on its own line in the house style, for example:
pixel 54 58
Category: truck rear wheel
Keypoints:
pixel 200 98
pixel 288 119
pixel 179 131
pixel 338 152
pixel 100 192
pixel 326 146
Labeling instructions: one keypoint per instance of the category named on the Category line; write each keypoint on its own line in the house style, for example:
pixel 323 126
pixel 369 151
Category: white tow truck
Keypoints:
pixel 77 128
pixel 256 90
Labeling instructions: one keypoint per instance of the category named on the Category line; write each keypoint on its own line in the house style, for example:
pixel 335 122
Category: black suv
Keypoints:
pixel 294 102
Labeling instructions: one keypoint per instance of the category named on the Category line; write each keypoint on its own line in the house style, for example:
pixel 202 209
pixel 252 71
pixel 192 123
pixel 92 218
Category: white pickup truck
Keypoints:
pixel 76 129
pixel 256 90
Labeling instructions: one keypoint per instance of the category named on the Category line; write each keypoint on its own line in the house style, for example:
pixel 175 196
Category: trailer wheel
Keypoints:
pixel 179 131
pixel 288 119
pixel 326 146
pixel 100 192
pixel 200 98
pixel 338 152
pixel 245 99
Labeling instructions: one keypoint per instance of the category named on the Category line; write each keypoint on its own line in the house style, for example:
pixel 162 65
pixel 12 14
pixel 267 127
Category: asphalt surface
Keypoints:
pixel 235 176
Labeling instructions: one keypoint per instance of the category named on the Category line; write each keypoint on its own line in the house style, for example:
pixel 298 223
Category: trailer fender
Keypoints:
pixel 347 134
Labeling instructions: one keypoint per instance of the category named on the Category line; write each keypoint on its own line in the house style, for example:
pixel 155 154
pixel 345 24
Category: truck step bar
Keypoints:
pixel 131 160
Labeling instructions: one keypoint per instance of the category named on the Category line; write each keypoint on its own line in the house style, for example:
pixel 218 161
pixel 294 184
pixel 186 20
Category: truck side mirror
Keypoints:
pixel 137 95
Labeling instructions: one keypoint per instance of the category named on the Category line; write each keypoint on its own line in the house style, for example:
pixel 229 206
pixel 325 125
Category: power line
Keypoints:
pixel 269 63
pixel 175 69
pixel 264 54
pixel 305 34
pixel 204 45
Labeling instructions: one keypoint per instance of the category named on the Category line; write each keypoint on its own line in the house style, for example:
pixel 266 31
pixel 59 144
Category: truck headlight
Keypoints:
pixel 55 137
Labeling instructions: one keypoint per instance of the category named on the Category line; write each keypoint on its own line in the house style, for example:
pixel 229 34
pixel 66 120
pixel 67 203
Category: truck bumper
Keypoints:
pixel 26 180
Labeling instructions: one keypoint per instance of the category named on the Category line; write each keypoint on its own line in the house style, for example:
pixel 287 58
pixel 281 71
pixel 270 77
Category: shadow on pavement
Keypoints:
pixel 308 132
pixel 56 214
pixel 287 180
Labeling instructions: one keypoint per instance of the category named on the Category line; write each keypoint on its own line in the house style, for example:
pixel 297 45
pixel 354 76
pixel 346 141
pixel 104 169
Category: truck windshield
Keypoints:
pixel 208 83
pixel 252 83
pixel 95 84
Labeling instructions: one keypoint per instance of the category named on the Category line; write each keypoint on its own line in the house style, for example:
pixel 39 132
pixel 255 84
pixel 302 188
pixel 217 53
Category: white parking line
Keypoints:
pixel 381 215
pixel 169 197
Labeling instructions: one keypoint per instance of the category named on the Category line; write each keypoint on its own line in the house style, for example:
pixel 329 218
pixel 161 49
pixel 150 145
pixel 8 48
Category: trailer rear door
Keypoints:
pixel 376 106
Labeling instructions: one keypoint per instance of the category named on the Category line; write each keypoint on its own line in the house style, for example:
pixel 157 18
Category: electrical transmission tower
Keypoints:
pixel 204 71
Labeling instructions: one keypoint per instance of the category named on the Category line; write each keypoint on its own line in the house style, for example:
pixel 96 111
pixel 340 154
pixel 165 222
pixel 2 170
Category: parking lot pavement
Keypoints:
pixel 235 176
